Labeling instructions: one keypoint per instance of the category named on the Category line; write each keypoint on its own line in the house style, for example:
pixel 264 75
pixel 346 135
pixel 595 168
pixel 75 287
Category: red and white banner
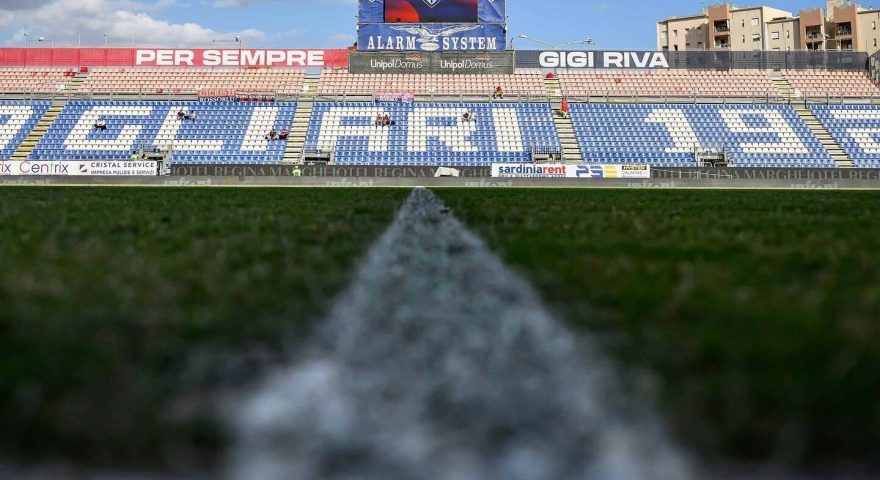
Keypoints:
pixel 164 57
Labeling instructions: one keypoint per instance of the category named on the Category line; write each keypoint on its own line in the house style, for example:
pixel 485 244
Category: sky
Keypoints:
pixel 317 23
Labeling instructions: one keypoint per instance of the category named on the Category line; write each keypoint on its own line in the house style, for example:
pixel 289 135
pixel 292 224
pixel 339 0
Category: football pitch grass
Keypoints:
pixel 127 315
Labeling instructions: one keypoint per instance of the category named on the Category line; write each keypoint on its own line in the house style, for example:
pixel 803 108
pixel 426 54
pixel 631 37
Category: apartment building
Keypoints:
pixel 842 25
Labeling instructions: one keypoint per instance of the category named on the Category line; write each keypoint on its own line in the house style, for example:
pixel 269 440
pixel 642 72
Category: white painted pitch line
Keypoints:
pixel 440 363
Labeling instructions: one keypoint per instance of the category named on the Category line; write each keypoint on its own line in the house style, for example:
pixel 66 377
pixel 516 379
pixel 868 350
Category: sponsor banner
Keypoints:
pixel 519 170
pixel 403 97
pixel 337 171
pixel 611 171
pixel 96 168
pixel 218 93
pixel 498 63
pixel 442 37
pixel 647 60
pixel 159 57
pixel 432 11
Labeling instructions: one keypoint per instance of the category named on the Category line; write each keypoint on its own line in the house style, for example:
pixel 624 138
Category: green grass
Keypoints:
pixel 758 312
pixel 124 312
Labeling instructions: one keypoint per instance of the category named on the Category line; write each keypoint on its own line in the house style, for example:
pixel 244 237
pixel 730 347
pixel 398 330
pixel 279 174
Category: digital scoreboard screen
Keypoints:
pixel 431 11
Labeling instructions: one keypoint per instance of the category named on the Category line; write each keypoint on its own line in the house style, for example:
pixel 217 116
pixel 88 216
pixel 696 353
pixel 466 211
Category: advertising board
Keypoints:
pixel 519 170
pixel 497 63
pixel 444 37
pixel 78 168
pixel 717 60
pixel 172 57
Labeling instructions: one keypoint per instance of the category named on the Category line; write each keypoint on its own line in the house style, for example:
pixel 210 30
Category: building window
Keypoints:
pixel 675 33
pixel 774 36
pixel 756 22
pixel 788 34
pixel 744 23
pixel 700 45
pixel 744 39
pixel 875 42
pixel 687 46
pixel 873 25
pixel 756 37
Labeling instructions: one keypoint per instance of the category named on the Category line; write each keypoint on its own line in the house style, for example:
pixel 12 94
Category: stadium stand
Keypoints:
pixel 222 133
pixel 431 134
pixel 855 128
pixel 340 82
pixel 672 135
pixel 814 83
pixel 667 83
pixel 17 119
pixel 189 81
pixel 34 80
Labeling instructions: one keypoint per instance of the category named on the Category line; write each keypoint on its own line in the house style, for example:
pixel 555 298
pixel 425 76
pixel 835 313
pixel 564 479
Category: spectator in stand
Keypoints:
pixel 563 109
pixel 466 117
pixel 101 124
pixel 272 135
pixel 181 114
pixel 386 121
pixel 499 93
pixel 378 123
pixel 284 134
pixel 134 156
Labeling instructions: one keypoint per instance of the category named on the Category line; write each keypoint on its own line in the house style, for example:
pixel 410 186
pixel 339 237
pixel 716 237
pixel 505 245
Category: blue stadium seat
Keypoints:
pixel 670 135
pixel 222 133
pixel 856 128
pixel 431 134
pixel 17 119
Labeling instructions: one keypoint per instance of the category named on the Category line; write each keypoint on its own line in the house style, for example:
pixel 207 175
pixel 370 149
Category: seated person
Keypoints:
pixel 563 110
pixel 272 135
pixel 386 121
pixel 466 117
pixel 283 135
pixel 379 122
pixel 499 93
pixel 101 124
pixel 181 114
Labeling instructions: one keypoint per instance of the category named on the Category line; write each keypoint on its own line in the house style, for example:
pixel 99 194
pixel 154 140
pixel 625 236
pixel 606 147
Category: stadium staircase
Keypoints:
pixel 300 126
pixel 76 82
pixel 571 150
pixel 819 131
pixel 30 142
pixel 785 88
pixel 298 131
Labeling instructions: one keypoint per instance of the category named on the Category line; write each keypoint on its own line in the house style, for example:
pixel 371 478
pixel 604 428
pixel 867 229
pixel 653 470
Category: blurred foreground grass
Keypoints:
pixel 757 311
